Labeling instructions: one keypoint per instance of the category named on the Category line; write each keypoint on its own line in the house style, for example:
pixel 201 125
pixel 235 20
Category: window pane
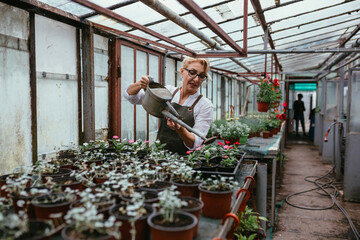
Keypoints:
pixel 355 99
pixel 153 71
pixel 331 100
pixel 141 120
pixel 127 77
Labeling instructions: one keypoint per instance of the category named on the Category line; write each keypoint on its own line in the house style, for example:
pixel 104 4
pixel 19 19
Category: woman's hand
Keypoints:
pixel 173 125
pixel 143 82
pixel 136 87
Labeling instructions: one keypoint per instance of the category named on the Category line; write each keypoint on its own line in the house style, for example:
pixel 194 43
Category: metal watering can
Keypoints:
pixel 157 99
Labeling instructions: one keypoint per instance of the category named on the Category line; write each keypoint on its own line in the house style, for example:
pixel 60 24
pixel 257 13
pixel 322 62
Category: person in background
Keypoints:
pixel 299 109
pixel 195 109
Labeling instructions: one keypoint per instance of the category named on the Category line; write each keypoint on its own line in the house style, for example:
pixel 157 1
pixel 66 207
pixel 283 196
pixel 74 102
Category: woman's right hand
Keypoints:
pixel 143 82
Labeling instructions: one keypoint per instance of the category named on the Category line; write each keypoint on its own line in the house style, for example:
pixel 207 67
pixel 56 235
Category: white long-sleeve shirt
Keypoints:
pixel 203 110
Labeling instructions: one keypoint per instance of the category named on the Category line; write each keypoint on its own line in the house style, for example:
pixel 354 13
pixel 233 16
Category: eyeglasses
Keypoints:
pixel 193 74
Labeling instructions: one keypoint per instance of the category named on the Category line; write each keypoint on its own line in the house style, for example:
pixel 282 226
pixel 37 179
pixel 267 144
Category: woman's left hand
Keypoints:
pixel 173 125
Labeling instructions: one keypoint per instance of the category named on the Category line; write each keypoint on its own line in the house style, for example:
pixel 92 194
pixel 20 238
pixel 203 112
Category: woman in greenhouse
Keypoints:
pixel 195 109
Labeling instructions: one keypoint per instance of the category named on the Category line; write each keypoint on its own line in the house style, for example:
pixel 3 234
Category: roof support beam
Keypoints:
pixel 225 53
pixel 260 14
pixel 211 24
pixel 145 40
pixel 110 14
pixel 112 7
pixel 173 16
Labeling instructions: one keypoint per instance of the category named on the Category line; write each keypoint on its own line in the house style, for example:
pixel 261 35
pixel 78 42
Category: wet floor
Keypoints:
pixel 303 160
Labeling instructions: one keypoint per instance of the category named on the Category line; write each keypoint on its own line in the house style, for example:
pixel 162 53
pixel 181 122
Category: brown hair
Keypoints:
pixel 203 61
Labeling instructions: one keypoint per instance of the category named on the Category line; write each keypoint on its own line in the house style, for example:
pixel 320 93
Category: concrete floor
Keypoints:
pixel 294 223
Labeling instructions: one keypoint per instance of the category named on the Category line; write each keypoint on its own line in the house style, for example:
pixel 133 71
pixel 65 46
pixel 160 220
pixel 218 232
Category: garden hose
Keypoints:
pixel 323 186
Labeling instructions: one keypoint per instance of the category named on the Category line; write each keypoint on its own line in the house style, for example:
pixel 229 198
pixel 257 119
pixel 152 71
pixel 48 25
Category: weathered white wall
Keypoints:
pixel 57 105
pixel 15 113
pixel 101 57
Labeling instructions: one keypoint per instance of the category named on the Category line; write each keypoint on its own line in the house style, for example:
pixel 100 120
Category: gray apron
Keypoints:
pixel 173 141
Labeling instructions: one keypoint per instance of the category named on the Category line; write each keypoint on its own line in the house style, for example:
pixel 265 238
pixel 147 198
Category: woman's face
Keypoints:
pixel 191 81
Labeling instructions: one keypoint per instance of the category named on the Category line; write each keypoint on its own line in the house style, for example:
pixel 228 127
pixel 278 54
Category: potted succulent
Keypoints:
pixel 169 223
pixel 216 194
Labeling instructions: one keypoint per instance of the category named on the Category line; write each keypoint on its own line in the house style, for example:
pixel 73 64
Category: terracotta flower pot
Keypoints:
pixel 182 232
pixel 216 203
pixel 141 225
pixel 263 106
pixel 193 207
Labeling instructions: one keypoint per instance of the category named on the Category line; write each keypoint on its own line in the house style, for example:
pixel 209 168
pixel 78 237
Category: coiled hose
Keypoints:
pixel 323 186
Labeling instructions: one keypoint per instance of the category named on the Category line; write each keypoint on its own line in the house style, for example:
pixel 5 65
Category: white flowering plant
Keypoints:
pixel 234 130
pixel 13 225
pixel 219 183
pixel 185 174
pixel 169 203
pixel 86 221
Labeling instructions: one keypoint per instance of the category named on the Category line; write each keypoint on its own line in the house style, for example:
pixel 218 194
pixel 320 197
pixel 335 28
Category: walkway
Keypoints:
pixel 294 223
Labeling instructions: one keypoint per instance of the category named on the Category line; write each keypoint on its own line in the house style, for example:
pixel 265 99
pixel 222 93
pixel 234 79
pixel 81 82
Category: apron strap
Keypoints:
pixel 176 90
pixel 196 101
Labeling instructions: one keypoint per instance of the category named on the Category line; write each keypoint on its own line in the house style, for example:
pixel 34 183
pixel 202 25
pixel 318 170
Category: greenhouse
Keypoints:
pixel 179 119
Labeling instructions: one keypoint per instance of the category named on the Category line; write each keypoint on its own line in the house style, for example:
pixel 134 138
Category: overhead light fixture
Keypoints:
pixel 277 2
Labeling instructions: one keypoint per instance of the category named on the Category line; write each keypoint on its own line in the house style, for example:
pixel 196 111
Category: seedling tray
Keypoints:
pixel 217 170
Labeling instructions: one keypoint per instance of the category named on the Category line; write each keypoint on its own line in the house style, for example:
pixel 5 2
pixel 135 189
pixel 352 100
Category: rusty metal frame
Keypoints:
pixel 120 33
pixel 110 14
pixel 33 93
pixel 211 24
pixel 115 81
pixel 260 14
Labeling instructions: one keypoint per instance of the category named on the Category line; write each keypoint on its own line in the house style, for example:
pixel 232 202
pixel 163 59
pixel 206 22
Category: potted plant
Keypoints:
pixel 192 206
pixel 169 223
pixel 216 194
pixel 18 226
pixel 265 95
pixel 133 216
pixel 186 179
pixel 53 206
pixel 250 225
pixel 85 222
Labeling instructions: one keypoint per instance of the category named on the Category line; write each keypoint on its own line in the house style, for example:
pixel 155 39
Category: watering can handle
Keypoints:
pixel 175 119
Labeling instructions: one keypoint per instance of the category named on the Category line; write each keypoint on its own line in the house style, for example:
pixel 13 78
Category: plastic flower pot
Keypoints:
pixel 243 139
pixel 216 203
pixel 161 230
pixel 141 225
pixel 38 230
pixel 69 233
pixel 47 209
pixel 193 207
pixel 266 134
pixel 187 189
